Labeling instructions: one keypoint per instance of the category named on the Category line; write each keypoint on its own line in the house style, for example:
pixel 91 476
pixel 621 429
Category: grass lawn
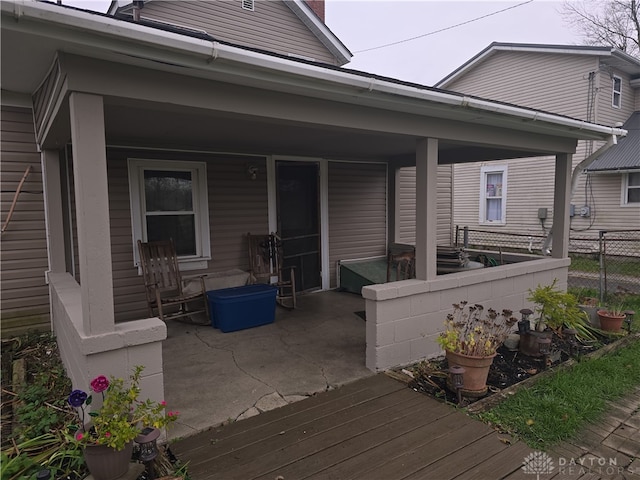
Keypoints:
pixel 557 407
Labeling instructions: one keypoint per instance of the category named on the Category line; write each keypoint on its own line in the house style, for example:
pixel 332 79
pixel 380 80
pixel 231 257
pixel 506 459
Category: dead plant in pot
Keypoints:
pixel 471 339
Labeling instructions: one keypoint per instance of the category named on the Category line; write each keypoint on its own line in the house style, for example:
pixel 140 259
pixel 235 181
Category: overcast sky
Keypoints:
pixel 366 24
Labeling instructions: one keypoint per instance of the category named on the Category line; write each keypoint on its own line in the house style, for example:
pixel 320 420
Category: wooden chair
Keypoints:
pixel 402 259
pixel 265 261
pixel 163 283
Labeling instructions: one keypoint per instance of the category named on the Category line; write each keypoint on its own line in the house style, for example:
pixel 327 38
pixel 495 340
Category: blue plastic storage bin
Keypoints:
pixel 238 308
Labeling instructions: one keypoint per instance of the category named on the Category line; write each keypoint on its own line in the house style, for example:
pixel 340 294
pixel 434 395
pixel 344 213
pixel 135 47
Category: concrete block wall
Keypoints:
pixel 404 318
pixel 114 353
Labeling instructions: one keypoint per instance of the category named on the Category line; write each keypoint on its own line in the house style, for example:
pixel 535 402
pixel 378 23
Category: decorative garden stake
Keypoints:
pixel 629 319
pixel 524 325
pixel 148 448
pixel 544 347
pixel 571 338
pixel 457 380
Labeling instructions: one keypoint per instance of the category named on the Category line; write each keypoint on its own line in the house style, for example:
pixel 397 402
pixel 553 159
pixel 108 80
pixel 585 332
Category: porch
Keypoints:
pixel 123 105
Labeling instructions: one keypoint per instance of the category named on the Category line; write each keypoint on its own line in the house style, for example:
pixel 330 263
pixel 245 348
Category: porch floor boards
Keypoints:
pixel 375 428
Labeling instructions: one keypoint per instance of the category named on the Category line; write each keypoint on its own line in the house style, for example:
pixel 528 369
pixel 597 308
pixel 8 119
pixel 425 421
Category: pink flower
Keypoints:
pixel 107 434
pixel 163 403
pixel 99 384
pixel 79 436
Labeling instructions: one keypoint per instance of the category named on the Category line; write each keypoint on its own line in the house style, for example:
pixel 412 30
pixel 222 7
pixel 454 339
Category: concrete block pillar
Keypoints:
pixel 92 212
pixel 561 203
pixel 426 210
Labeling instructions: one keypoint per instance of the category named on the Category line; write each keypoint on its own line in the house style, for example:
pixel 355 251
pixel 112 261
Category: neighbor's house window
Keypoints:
pixel 631 188
pixel 169 200
pixel 493 195
pixel 616 99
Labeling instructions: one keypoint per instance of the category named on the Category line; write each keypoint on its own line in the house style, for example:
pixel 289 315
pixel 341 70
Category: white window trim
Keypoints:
pixel 136 166
pixel 623 194
pixel 614 91
pixel 484 171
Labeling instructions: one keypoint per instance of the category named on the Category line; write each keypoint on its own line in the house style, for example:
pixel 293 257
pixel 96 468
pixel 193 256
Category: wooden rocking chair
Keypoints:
pixel 402 259
pixel 163 283
pixel 265 261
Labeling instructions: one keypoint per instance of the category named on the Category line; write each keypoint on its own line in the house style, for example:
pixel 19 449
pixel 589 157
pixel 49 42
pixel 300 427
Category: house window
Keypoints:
pixel 616 99
pixel 169 200
pixel 631 188
pixel 493 195
pixel 248 5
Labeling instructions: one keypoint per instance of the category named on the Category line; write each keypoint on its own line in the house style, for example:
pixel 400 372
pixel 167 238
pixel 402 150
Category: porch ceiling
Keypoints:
pixel 174 127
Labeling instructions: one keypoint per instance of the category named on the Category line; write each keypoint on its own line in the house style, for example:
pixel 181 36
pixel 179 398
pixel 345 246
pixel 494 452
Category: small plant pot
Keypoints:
pixel 529 343
pixel 106 463
pixel 476 371
pixel 610 322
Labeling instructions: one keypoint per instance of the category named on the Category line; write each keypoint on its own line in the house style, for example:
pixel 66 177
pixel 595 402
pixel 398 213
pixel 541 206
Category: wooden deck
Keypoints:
pixel 375 428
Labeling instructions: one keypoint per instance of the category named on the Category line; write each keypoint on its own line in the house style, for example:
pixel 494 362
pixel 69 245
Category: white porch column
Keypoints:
pixel 50 161
pixel 561 201
pixel 92 212
pixel 426 212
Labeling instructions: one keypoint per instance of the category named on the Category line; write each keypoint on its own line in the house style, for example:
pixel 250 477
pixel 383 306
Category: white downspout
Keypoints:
pixel 613 140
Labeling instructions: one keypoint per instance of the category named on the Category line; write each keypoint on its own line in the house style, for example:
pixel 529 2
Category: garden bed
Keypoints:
pixel 510 371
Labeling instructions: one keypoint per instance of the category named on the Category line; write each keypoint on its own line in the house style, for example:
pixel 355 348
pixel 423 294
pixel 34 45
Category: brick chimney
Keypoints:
pixel 318 7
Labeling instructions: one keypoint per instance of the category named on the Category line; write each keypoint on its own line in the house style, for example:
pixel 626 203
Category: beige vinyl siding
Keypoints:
pixel 237 205
pixel 228 21
pixel 23 257
pixel 530 183
pixel 607 114
pixel 407 207
pixel 357 212
pixel 551 82
pixel 607 208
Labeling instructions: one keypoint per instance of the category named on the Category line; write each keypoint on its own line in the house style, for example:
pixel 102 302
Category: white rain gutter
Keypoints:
pixel 212 51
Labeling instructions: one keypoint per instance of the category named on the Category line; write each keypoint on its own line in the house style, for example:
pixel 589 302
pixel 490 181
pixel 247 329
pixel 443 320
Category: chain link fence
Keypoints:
pixel 601 266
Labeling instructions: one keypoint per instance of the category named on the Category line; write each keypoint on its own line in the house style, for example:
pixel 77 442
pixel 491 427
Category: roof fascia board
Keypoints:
pixel 320 30
pixel 532 48
pixel 204 55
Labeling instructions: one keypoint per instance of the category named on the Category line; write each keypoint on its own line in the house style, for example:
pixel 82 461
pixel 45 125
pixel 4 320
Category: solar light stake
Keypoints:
pixel 148 448
pixel 457 380
pixel 544 347
pixel 524 325
pixel 571 338
pixel 629 319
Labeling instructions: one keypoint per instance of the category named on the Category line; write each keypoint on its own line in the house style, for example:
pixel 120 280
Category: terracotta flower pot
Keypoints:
pixel 476 371
pixel 610 322
pixel 106 463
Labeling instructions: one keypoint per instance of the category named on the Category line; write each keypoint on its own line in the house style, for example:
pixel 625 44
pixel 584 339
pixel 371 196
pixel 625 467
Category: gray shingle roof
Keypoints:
pixel 626 154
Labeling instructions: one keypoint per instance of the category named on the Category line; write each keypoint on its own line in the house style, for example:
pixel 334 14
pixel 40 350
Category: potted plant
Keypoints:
pixel 557 310
pixel 106 434
pixel 471 339
pixel 611 318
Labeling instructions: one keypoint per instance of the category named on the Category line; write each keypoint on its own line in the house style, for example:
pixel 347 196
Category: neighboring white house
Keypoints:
pixel 595 84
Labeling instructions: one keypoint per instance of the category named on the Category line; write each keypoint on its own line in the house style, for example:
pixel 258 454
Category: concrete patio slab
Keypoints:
pixel 213 377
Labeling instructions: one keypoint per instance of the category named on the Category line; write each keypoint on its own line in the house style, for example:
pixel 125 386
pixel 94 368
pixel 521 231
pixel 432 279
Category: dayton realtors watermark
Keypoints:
pixel 539 463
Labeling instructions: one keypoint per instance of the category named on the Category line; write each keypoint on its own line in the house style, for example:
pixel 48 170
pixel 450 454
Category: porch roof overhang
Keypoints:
pixel 196 90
